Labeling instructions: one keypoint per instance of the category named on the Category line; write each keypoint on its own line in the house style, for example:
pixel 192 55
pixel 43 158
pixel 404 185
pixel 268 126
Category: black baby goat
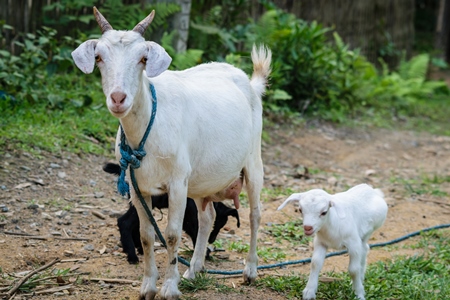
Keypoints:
pixel 129 222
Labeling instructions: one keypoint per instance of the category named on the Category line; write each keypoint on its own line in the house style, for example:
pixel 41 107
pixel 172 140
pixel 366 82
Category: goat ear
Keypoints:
pixel 293 197
pixel 339 210
pixel 84 56
pixel 157 60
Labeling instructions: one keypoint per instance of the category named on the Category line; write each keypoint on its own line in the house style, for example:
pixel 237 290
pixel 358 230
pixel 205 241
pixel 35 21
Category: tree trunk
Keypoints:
pixel 179 22
pixel 441 41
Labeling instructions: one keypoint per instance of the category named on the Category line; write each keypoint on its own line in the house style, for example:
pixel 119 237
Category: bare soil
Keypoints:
pixel 58 197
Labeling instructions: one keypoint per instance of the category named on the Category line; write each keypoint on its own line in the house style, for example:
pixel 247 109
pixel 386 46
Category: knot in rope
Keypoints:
pixel 130 156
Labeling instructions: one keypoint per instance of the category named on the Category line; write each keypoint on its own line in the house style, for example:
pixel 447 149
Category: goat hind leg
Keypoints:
pixel 355 269
pixel 253 175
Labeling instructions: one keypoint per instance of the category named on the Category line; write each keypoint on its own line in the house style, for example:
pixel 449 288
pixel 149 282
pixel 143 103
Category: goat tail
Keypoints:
pixel 261 58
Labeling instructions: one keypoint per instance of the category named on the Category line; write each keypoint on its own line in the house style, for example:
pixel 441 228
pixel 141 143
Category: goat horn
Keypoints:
pixel 142 26
pixel 102 22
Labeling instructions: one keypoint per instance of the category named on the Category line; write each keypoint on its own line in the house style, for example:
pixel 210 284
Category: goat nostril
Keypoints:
pixel 307 228
pixel 118 97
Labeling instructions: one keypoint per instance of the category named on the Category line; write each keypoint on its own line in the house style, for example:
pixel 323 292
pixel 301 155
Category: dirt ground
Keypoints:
pixel 64 206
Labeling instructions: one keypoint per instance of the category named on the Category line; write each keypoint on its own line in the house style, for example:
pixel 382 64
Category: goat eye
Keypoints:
pixel 98 58
pixel 324 213
pixel 144 60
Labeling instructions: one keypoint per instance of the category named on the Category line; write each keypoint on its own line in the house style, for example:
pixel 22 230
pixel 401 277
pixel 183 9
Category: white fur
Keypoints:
pixel 344 220
pixel 207 129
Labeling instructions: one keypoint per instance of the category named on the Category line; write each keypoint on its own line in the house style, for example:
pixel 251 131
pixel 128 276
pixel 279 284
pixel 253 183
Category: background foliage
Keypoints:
pixel 314 73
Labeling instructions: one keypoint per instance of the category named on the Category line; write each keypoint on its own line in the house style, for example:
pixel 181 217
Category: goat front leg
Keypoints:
pixel 355 267
pixel 148 288
pixel 177 206
pixel 316 265
pixel 205 222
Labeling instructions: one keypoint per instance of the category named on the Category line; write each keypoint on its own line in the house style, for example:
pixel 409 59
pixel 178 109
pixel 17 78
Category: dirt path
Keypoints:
pixel 65 196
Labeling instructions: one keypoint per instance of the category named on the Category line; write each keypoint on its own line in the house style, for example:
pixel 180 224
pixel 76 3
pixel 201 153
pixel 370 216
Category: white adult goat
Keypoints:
pixel 344 220
pixel 206 131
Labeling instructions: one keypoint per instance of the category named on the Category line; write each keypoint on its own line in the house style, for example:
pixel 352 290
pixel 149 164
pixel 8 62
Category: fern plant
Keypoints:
pixel 402 89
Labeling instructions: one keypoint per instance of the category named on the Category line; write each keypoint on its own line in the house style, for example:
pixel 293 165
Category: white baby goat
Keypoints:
pixel 344 220
pixel 206 131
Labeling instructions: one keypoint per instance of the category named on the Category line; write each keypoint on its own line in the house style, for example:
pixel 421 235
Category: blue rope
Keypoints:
pixel 133 159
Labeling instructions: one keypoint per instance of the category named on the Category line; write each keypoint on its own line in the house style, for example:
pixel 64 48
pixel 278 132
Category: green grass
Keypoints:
pixel 291 231
pixel 202 282
pixel 424 276
pixel 36 127
pixel 425 184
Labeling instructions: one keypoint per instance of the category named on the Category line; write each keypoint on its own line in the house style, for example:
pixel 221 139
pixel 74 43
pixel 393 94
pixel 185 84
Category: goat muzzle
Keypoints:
pixel 101 20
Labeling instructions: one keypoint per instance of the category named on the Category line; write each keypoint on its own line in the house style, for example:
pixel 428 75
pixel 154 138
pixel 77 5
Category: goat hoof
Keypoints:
pixel 170 291
pixel 308 295
pixel 188 274
pixel 148 296
pixel 250 274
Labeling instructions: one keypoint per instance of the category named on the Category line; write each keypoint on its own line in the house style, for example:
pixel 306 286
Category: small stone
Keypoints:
pixel 46 216
pixel 5 209
pixel 99 195
pixel 68 253
pixel 25 168
pixel 332 181
pixel 61 213
pixel 33 206
pixel 370 172
pixel 89 247
pixel 54 166
pixel 92 182
pixel 62 175
pixel 3 187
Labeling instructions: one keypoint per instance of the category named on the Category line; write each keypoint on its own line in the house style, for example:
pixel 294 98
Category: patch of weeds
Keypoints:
pixel 57 203
pixel 2 218
pixel 273 193
pixel 425 185
pixel 238 247
pixel 45 278
pixel 202 282
pixel 243 200
pixel 290 286
pixel 219 243
pixel 269 253
pixel 291 231
pixel 186 251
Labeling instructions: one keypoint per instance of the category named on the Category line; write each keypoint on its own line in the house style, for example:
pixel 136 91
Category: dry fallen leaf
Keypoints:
pixel 101 251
